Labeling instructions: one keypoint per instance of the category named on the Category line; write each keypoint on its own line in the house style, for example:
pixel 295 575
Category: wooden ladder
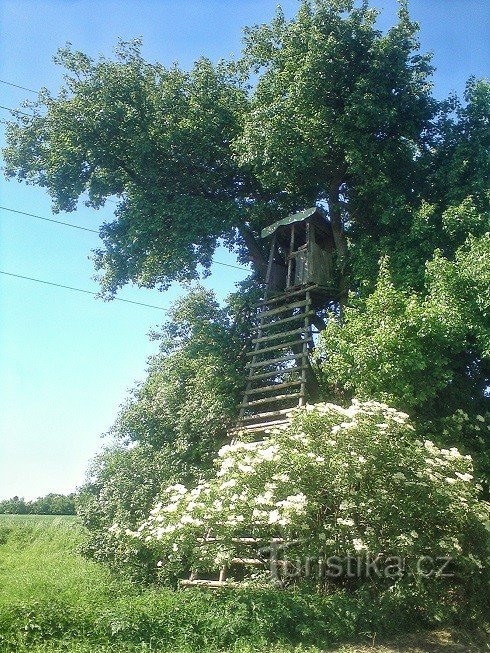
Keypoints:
pixel 277 371
pixel 251 552
pixel 276 383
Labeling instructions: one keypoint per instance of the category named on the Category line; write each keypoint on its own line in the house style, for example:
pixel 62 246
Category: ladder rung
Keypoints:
pixel 273 413
pixel 275 336
pixel 208 583
pixel 271 361
pixel 270 400
pixel 256 562
pixel 253 428
pixel 269 388
pixel 286 295
pixel 281 345
pixel 294 318
pixel 266 375
pixel 240 540
pixel 282 309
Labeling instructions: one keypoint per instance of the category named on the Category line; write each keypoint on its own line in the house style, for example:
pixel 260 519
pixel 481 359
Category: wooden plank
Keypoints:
pixel 257 562
pixel 282 309
pixel 213 584
pixel 270 400
pixel 241 540
pixel 273 413
pixel 302 401
pixel 272 361
pixel 294 318
pixel 285 296
pixel 253 428
pixel 282 334
pixel 282 345
pixel 267 375
pixel 269 388
pixel 252 562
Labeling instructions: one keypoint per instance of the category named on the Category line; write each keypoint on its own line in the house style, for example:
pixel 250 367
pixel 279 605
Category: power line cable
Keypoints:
pixel 67 224
pixel 75 226
pixel 24 88
pixel 16 110
pixel 87 292
pixel 40 217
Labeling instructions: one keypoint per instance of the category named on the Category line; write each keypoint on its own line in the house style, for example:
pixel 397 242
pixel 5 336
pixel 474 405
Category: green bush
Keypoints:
pixel 338 482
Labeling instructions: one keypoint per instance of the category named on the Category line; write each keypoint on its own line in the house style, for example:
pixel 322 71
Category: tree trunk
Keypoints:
pixel 335 213
pixel 257 256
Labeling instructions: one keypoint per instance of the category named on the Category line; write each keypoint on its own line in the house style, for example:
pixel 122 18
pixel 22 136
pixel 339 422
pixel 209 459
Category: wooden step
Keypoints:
pixel 270 388
pixel 282 309
pixel 213 584
pixel 258 428
pixel 281 345
pixel 266 375
pixel 282 334
pixel 270 400
pixel 294 318
pixel 258 562
pixel 286 295
pixel 272 361
pixel 255 562
pixel 242 540
pixel 273 413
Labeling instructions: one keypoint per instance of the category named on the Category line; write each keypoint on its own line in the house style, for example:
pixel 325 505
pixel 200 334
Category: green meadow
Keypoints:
pixel 52 599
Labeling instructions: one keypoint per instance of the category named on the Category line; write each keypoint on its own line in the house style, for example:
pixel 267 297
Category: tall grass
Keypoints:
pixel 52 599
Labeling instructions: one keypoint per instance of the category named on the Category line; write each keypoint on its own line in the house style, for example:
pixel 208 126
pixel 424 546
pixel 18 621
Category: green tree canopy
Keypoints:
pixel 338 112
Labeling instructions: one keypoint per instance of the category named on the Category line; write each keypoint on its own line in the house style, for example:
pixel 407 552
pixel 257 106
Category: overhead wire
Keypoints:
pixel 68 224
pixel 24 88
pixel 16 111
pixel 82 290
pixel 40 217
pixel 75 226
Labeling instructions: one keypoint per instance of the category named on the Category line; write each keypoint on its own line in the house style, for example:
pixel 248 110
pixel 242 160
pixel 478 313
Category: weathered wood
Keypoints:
pixel 271 400
pixel 242 540
pixel 302 400
pixel 213 584
pixel 282 345
pixel 267 375
pixel 287 307
pixel 263 426
pixel 282 334
pixel 270 388
pixel 272 361
pixel 286 295
pixel 271 261
pixel 253 562
pixel 273 413
pixel 293 318
pixel 260 427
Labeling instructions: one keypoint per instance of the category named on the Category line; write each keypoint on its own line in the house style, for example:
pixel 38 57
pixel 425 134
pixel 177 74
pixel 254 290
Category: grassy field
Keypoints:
pixel 51 599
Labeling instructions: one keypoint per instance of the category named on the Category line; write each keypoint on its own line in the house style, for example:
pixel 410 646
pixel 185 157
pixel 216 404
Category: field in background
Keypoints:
pixel 53 600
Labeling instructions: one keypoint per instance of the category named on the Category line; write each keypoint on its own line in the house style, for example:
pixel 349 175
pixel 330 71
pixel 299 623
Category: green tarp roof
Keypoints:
pixel 294 217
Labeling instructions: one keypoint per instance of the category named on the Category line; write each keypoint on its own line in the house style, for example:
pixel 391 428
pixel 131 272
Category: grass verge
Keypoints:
pixel 51 600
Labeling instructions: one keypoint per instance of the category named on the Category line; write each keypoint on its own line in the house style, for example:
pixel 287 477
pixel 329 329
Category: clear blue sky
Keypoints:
pixel 67 359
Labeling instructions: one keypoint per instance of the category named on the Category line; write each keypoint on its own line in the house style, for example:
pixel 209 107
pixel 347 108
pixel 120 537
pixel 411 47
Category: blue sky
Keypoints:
pixel 67 360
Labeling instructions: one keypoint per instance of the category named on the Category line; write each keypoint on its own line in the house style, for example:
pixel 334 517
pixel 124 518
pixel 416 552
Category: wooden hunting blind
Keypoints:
pixel 301 252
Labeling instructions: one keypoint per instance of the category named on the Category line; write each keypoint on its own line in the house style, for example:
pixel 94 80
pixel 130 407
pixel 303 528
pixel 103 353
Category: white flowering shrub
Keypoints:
pixel 338 481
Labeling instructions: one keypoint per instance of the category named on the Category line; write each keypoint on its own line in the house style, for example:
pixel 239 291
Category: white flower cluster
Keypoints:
pixel 338 476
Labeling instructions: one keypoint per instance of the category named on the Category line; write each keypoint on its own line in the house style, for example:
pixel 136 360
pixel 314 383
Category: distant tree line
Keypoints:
pixel 51 504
